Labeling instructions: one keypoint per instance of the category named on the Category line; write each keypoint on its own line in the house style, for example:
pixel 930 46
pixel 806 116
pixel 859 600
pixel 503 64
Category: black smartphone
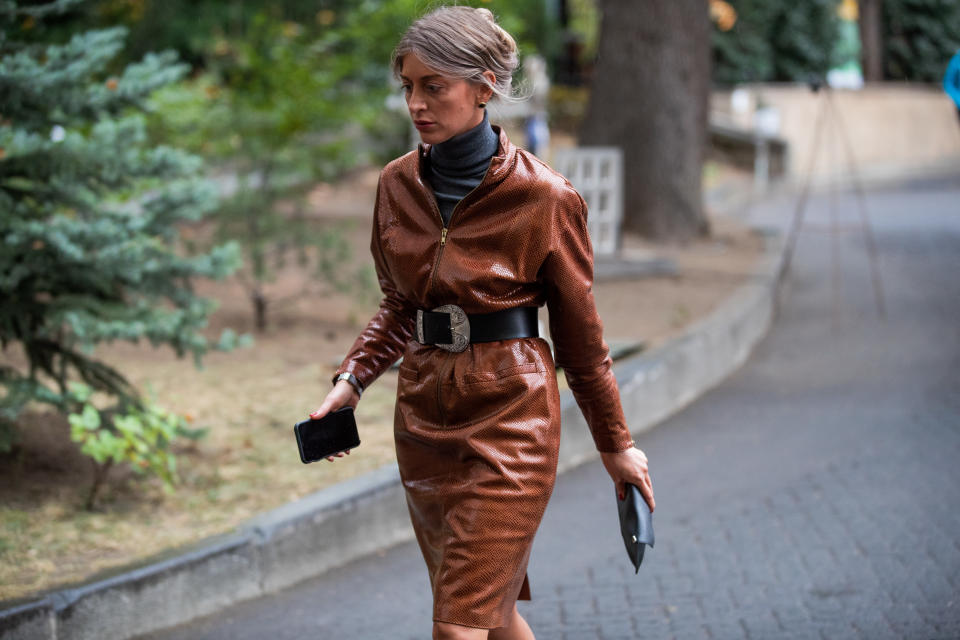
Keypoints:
pixel 331 434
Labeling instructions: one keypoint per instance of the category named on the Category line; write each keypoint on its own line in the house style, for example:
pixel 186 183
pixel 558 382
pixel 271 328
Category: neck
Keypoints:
pixel 474 145
pixel 456 166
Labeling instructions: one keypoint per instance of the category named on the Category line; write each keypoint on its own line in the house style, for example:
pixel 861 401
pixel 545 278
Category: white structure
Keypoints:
pixel 597 173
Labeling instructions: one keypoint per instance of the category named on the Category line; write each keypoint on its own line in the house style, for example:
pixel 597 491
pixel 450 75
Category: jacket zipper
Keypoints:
pixel 444 229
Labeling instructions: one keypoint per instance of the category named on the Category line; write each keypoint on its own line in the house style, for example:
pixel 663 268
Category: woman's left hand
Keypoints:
pixel 629 466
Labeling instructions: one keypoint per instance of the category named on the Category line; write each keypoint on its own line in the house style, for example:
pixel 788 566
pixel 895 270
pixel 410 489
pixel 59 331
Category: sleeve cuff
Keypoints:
pixel 614 445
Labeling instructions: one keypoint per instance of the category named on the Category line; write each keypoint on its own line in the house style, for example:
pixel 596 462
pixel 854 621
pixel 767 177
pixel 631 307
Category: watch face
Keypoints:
pixel 349 377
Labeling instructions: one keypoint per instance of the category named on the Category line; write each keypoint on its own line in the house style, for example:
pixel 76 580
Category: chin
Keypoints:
pixel 432 137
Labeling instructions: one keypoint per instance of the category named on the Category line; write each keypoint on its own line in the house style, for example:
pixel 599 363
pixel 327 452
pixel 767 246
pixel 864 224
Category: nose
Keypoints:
pixel 415 101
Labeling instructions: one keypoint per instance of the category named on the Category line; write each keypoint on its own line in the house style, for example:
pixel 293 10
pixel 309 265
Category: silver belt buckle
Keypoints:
pixel 459 328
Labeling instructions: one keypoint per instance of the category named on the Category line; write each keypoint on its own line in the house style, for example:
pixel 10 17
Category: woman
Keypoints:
pixel 470 230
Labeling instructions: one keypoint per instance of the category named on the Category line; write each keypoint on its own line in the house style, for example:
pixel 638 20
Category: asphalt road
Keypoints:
pixel 813 494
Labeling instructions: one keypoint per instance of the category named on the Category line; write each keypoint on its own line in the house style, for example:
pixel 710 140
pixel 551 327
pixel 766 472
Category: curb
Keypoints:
pixel 656 384
pixel 360 516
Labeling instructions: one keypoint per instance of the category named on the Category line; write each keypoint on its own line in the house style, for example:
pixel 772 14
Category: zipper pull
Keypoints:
pixel 443 237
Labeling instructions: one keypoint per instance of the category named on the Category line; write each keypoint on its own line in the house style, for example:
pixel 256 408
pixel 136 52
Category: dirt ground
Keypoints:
pixel 250 399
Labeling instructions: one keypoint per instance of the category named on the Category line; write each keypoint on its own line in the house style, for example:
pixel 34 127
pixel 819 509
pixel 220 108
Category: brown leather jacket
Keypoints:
pixel 518 239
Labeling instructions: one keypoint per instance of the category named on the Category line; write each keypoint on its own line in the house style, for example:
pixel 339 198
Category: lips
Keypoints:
pixel 422 124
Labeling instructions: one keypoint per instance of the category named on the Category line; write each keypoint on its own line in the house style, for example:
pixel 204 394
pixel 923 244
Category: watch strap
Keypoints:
pixel 352 379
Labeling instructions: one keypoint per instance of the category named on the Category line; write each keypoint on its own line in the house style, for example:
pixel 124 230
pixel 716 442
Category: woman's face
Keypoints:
pixel 440 106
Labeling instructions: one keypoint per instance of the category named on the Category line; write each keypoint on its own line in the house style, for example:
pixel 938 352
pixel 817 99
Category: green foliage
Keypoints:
pixel 283 105
pixel 803 35
pixel 140 436
pixel 744 53
pixel 90 216
pixel 920 37
pixel 286 94
pixel 584 28
pixel 533 23
pixel 191 26
pixel 278 111
pixel 775 41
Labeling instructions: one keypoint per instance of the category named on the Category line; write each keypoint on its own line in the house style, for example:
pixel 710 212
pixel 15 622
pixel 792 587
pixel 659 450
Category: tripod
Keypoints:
pixel 829 112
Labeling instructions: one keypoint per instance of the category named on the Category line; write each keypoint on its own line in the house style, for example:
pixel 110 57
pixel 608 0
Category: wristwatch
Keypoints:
pixel 352 379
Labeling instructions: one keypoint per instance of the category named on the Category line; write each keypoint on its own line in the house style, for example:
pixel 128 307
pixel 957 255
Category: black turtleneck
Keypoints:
pixel 456 166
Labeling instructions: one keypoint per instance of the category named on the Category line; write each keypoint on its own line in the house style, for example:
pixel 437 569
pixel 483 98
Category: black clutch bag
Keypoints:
pixel 636 524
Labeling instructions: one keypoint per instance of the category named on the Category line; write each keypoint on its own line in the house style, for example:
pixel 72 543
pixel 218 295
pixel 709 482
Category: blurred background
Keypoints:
pixel 185 196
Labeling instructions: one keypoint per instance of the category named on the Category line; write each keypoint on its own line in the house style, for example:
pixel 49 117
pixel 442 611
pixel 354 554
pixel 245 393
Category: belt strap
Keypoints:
pixel 518 322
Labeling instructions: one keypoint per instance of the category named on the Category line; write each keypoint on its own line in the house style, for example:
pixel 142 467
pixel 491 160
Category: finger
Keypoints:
pixel 325 407
pixel 644 478
pixel 330 458
pixel 329 404
pixel 339 397
pixel 621 489
pixel 647 492
pixel 646 486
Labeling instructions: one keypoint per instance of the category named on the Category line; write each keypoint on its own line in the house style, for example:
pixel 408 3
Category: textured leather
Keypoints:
pixel 477 432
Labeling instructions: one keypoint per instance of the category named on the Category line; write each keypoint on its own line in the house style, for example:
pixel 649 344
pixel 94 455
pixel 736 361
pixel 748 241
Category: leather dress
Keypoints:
pixel 477 432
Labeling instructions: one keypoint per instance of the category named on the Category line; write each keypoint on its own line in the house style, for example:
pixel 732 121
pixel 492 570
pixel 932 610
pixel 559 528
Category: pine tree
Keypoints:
pixel 775 41
pixel 920 37
pixel 89 215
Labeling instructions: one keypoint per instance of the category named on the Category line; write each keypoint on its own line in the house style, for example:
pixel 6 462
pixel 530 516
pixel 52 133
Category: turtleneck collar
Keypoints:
pixel 468 149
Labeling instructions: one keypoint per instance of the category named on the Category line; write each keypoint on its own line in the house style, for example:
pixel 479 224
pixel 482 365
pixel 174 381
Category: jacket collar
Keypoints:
pixel 500 164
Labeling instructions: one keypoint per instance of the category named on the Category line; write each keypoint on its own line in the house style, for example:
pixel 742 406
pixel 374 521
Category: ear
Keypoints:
pixel 483 92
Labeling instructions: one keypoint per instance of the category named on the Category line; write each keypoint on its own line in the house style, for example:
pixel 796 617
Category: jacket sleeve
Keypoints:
pixel 576 329
pixel 384 339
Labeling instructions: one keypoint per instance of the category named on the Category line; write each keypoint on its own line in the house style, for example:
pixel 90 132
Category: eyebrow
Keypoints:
pixel 430 77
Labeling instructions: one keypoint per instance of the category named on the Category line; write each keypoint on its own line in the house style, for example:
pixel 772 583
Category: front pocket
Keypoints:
pixel 492 397
pixel 480 377
pixel 407 372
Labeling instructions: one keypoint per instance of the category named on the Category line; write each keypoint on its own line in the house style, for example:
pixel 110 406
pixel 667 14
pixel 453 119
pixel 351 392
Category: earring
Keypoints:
pixel 482 105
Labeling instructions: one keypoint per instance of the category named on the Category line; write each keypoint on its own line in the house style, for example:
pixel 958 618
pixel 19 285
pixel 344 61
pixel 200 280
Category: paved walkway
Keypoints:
pixel 813 494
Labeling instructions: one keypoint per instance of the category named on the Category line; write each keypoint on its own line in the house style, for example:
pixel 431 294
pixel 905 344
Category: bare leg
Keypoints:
pixel 517 629
pixel 450 631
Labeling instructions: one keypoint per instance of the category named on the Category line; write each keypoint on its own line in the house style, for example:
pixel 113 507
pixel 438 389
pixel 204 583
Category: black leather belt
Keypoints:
pixel 449 327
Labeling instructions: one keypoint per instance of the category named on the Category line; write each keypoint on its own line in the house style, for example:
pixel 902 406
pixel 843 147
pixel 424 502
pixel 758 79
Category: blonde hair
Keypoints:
pixel 462 42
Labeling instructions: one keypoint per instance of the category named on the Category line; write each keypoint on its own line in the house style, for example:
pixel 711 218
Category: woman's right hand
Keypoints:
pixel 342 395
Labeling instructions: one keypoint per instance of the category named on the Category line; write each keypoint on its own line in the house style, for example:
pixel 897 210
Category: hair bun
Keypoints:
pixel 486 13
pixel 507 42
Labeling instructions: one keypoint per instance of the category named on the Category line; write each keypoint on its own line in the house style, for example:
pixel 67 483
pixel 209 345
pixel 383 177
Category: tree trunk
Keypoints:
pixel 100 472
pixel 649 95
pixel 871 39
pixel 260 310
